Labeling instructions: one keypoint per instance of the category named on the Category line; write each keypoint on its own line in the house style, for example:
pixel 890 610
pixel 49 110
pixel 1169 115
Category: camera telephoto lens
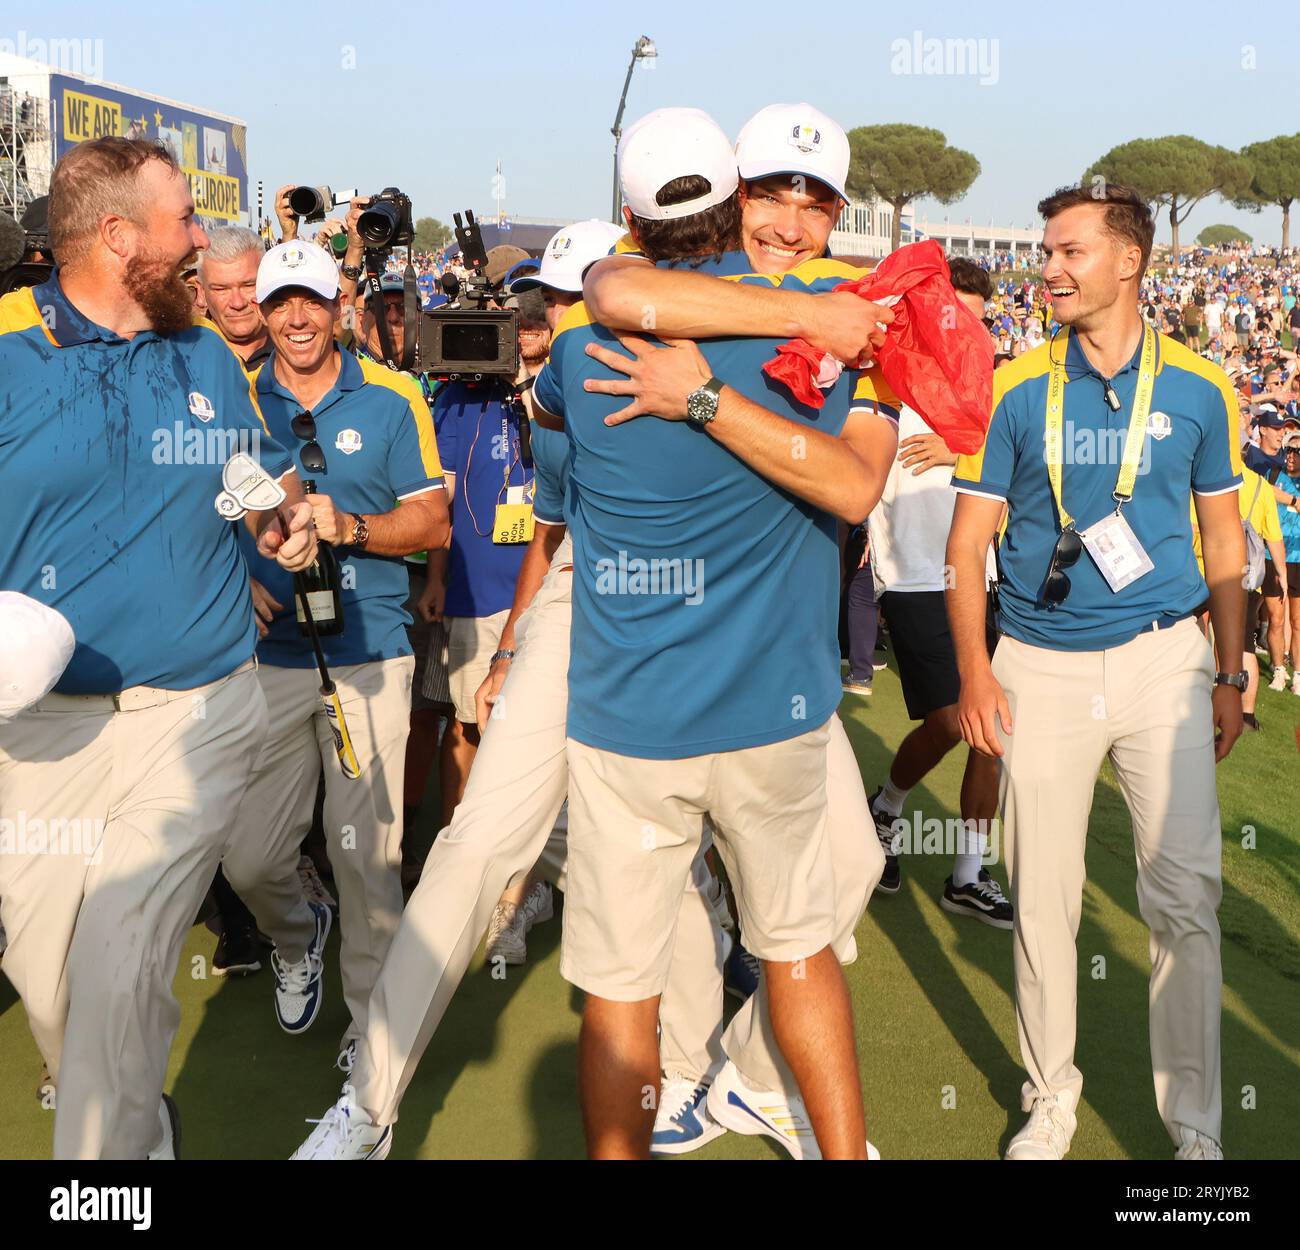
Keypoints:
pixel 378 224
pixel 306 201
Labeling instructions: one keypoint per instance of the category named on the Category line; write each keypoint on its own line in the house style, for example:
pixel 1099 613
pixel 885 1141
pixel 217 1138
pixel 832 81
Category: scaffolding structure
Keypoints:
pixel 26 149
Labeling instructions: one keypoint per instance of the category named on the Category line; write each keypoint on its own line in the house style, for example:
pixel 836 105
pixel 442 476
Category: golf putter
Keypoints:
pixel 249 488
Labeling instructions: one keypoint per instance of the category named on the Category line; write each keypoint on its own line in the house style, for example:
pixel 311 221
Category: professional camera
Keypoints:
pixel 312 203
pixel 385 223
pixel 464 339
pixel 25 256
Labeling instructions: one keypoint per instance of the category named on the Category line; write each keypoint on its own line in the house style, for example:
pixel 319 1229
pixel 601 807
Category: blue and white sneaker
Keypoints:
pixel 736 1105
pixel 683 1123
pixel 300 987
pixel 740 972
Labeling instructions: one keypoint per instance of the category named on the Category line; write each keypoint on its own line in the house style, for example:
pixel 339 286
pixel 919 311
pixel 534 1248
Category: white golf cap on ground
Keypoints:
pixel 36 644
pixel 669 144
pixel 794 139
pixel 569 254
pixel 297 264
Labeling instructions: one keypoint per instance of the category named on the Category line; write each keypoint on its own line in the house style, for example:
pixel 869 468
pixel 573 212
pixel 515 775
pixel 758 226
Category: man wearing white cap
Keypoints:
pixel 714 719
pixel 121 416
pixel 362 437
pixel 798 160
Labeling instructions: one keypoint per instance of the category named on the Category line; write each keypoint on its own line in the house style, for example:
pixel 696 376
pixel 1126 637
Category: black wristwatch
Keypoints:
pixel 702 404
pixel 1240 680
pixel 351 271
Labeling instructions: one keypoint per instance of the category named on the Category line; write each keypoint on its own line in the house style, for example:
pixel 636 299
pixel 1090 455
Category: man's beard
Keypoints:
pixel 155 283
pixel 534 348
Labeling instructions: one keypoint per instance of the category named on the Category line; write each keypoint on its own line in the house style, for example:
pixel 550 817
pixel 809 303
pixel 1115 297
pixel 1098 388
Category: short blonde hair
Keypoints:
pixel 95 179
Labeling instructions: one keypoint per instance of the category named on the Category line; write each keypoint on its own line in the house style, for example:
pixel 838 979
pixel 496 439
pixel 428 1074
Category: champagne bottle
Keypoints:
pixel 320 583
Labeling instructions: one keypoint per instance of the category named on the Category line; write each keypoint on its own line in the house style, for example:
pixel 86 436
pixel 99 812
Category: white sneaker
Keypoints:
pixel 300 987
pixel 737 1105
pixel 345 1131
pixel 1050 1127
pixel 683 1122
pixel 1295 682
pixel 505 935
pixel 1279 678
pixel 539 905
pixel 1197 1145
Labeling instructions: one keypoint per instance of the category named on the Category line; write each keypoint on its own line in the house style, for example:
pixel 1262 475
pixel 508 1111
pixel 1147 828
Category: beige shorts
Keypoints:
pixel 635 826
pixel 471 643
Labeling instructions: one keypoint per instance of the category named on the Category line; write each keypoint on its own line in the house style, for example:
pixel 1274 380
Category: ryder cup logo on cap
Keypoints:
pixel 569 254
pixel 794 139
pixel 669 144
pixel 296 264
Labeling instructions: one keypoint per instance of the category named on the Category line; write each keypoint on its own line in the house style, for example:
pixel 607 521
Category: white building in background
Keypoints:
pixel 864 229
pixel 964 238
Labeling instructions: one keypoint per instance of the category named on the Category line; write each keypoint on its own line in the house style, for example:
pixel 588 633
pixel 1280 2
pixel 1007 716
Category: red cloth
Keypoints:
pixel 937 355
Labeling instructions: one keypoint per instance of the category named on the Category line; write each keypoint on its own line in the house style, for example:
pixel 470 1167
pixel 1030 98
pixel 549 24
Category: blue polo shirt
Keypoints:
pixel 376 434
pixel 1288 520
pixel 551 465
pixel 111 452
pixel 479 442
pixel 1191 445
pixel 704 598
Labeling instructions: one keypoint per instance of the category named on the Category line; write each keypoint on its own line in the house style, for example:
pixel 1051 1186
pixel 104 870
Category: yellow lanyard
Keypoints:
pixel 1137 427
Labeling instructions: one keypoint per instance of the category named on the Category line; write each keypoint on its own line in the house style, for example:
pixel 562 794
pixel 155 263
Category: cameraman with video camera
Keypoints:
pixel 483 446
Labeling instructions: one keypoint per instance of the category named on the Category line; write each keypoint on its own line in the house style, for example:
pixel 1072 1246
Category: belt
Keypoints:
pixel 1155 626
pixel 136 699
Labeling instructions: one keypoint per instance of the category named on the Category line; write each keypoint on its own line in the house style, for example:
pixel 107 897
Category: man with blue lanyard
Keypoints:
pixel 1096 441
pixel 686 562
pixel 362 434
pixel 120 417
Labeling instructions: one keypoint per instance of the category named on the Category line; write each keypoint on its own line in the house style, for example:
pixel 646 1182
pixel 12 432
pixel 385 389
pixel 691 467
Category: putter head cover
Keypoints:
pixel 249 488
pixel 36 643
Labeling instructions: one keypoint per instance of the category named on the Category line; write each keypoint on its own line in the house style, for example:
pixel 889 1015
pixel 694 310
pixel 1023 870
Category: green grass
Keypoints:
pixel 932 997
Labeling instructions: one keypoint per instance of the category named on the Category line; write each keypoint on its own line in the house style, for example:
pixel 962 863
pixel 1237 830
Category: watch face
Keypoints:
pixel 701 405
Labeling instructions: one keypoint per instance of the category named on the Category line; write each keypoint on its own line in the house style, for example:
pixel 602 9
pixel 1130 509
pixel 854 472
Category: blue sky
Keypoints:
pixel 430 105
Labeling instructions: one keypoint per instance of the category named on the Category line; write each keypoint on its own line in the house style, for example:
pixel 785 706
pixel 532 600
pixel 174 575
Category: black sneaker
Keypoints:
pixel 237 954
pixel 983 900
pixel 892 877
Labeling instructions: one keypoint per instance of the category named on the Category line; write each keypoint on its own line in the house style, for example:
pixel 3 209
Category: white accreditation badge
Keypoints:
pixel 1115 550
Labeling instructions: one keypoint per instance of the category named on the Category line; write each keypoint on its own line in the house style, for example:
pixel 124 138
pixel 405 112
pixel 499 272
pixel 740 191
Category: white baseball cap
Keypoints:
pixel 36 644
pixel 669 144
pixel 569 254
pixel 794 139
pixel 297 264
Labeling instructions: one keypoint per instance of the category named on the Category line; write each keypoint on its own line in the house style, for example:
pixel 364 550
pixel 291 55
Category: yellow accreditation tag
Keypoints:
pixel 513 523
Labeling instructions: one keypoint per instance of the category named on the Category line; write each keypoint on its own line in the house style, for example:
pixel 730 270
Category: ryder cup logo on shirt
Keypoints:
pixel 348 441
pixel 1159 425
pixel 201 406
pixel 806 138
